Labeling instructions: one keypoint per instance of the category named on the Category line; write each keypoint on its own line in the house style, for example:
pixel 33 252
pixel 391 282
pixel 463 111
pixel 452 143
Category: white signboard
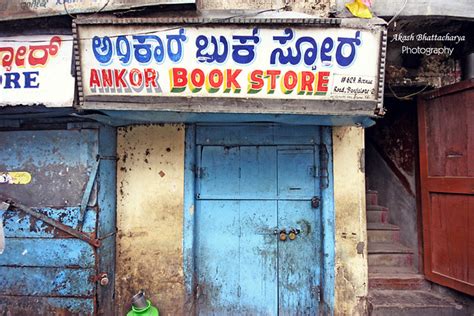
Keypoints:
pixel 36 70
pixel 230 61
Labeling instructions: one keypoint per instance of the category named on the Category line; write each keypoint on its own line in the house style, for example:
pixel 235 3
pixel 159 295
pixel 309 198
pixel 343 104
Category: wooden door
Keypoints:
pixel 446 133
pixel 247 195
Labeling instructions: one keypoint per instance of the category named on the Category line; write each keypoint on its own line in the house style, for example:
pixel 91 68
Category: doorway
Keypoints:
pixel 258 234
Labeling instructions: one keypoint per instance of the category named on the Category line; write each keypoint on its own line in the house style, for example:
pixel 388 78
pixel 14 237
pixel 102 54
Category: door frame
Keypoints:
pixel 327 224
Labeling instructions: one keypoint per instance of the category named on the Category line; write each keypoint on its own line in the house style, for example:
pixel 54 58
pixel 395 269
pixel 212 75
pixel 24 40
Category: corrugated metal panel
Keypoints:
pixel 44 269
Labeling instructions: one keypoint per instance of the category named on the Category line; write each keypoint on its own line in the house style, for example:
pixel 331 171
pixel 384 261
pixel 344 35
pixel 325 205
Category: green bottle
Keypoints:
pixel 141 306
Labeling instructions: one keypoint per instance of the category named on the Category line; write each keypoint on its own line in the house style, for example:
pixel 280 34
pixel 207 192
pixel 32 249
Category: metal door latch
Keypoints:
pixel 102 278
pixel 315 201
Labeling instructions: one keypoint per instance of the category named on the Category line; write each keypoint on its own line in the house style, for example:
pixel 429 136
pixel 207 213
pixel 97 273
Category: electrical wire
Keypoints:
pixel 408 96
pixel 152 31
pixel 398 13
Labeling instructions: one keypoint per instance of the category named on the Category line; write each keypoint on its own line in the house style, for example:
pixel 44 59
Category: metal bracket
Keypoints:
pixel 71 231
pixel 324 158
pixel 87 193
pixel 317 292
pixel 315 202
pixel 313 171
pixel 199 172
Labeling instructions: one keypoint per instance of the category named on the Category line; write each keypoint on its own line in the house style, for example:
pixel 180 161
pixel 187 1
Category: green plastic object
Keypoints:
pixel 147 311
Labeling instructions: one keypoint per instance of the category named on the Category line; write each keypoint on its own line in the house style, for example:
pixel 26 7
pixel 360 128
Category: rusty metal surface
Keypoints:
pixel 59 161
pixel 71 231
pixel 48 265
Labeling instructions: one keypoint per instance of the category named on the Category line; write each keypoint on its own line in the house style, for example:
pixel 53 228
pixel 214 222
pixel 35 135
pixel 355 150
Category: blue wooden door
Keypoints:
pixel 45 270
pixel 249 198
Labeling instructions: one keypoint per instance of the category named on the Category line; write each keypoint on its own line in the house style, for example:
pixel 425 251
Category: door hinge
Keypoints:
pixel 313 171
pixel 197 292
pixel 324 160
pixel 199 172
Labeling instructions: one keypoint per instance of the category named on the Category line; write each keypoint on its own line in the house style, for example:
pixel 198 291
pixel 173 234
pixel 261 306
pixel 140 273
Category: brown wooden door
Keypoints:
pixel 446 131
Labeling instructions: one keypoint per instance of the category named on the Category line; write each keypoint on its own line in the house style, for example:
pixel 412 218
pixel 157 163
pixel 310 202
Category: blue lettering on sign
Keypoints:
pixel 218 53
pixel 211 49
pixel 244 52
pixel 217 49
pixel 19 80
pixel 342 60
pixel 146 48
pixel 306 50
pixel 30 79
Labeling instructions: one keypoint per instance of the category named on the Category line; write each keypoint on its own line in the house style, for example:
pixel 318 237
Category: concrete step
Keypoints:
pixel 387 247
pixel 376 208
pixel 377 216
pixel 391 270
pixel 412 303
pixel 389 254
pixel 371 197
pixel 382 232
pixel 396 278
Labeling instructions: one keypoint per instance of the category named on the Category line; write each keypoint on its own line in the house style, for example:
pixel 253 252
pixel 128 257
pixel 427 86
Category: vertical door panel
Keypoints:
pixel 258 172
pixel 236 257
pixel 217 256
pixel 295 173
pixel 446 133
pixel 219 171
pixel 40 261
pixel 258 258
pixel 298 259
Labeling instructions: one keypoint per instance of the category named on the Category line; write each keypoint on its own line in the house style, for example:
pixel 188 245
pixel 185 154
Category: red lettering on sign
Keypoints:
pixel 290 80
pixel 272 76
pixel 197 78
pixel 178 80
pixel 256 82
pixel 214 81
pixel 119 80
pixel 305 85
pixel 94 81
pixel 323 80
pixel 231 82
pixel 107 79
pixel 135 78
pixel 150 77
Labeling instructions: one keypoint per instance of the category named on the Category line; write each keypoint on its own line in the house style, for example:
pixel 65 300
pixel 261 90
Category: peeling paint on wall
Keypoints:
pixel 351 231
pixel 150 175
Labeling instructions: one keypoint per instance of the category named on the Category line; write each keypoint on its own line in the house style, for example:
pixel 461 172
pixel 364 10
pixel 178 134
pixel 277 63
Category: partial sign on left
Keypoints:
pixel 36 70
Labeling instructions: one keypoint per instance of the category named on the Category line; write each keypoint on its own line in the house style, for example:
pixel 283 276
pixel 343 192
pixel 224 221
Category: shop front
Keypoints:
pixel 240 183
pixel 57 187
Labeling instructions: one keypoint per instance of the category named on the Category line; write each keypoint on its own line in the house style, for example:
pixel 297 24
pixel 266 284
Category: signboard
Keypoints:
pixel 36 69
pixel 19 9
pixel 230 62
